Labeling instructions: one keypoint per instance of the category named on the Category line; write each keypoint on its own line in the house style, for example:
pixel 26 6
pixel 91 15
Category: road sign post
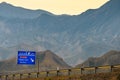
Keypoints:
pixel 38 65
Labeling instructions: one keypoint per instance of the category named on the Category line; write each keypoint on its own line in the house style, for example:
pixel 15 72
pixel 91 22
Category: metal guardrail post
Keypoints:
pixel 81 70
pixel 47 73
pixel 38 74
pixel 29 75
pixel 13 77
pixel 58 72
pixel 111 68
pixel 21 76
pixel 6 77
pixel 69 72
pixel 96 69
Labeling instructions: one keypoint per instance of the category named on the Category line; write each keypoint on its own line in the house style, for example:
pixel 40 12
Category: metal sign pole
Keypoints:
pixel 38 65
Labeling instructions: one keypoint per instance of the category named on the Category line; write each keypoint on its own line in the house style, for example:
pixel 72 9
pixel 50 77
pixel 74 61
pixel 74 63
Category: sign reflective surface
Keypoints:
pixel 26 57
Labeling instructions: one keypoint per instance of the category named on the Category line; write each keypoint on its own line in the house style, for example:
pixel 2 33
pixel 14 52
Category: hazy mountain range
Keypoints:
pixel 74 38
pixel 50 61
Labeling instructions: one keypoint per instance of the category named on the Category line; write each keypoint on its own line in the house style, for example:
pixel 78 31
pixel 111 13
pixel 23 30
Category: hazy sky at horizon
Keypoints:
pixel 59 6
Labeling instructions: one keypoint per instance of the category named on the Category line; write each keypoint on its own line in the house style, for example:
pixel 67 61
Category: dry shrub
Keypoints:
pixel 118 76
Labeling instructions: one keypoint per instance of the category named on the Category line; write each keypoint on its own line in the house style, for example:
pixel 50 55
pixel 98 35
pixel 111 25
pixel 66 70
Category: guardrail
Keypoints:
pixel 62 72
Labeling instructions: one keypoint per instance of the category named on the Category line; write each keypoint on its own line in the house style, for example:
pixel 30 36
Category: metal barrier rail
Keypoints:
pixel 62 72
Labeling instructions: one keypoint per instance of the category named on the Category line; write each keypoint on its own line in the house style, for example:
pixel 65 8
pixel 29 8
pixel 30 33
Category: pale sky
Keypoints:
pixel 71 7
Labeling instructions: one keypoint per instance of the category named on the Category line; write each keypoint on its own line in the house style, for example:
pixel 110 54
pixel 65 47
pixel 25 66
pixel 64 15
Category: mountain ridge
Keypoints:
pixel 74 38
pixel 19 12
pixel 109 58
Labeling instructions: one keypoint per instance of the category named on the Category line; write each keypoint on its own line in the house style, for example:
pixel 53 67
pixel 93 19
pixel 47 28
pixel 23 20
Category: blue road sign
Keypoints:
pixel 26 57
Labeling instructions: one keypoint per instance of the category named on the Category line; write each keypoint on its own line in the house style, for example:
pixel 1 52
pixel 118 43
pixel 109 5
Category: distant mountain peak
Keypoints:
pixel 46 61
pixel 5 4
pixel 109 58
pixel 19 12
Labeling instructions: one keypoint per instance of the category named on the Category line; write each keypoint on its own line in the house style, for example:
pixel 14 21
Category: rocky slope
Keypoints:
pixel 74 38
pixel 110 58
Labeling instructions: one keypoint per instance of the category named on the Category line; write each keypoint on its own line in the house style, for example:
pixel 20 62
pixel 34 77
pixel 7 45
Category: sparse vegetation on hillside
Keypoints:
pixel 101 76
pixel 109 58
pixel 115 75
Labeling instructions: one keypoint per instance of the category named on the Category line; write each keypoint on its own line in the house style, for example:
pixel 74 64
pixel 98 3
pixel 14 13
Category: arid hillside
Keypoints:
pixel 110 58
pixel 47 61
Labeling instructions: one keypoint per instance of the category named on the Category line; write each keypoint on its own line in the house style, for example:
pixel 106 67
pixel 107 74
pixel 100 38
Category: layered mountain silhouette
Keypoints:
pixel 19 12
pixel 110 58
pixel 47 61
pixel 74 38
